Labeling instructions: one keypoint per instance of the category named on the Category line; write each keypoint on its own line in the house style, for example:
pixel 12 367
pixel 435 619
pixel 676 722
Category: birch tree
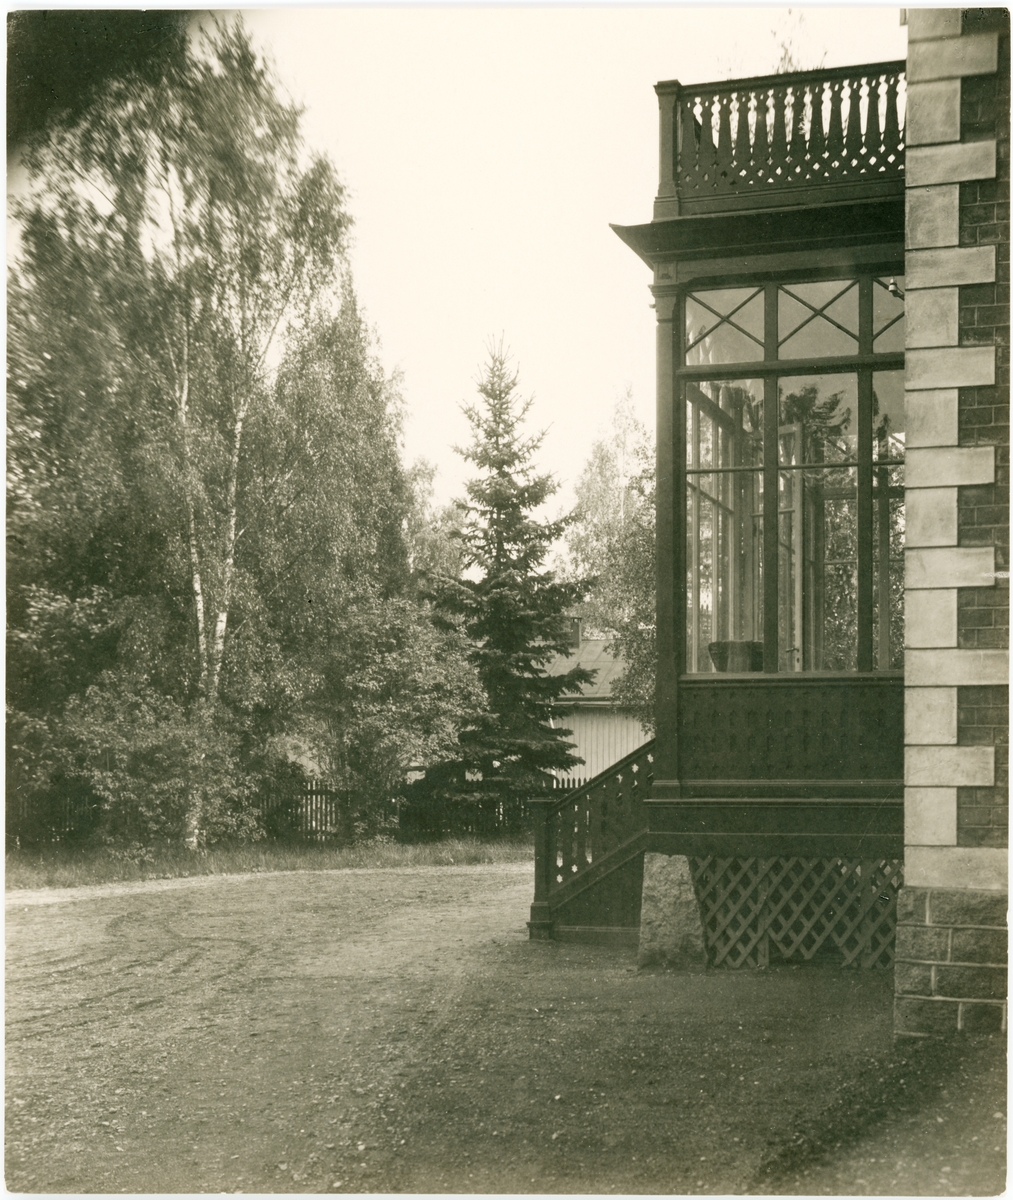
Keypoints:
pixel 207 510
pixel 191 203
pixel 611 541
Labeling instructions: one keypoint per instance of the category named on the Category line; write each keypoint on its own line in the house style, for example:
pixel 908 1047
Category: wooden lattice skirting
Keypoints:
pixel 841 908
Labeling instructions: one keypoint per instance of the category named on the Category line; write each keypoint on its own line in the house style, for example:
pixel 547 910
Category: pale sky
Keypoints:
pixel 486 150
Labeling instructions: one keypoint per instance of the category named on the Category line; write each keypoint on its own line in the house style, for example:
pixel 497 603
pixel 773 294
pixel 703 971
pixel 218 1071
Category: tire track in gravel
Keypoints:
pixel 379 1031
pixel 221 1037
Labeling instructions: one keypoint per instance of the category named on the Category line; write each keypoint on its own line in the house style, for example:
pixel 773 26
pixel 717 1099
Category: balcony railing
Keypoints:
pixel 782 140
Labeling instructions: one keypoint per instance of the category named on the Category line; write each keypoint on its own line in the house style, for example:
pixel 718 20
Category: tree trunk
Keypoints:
pixel 191 526
pixel 228 554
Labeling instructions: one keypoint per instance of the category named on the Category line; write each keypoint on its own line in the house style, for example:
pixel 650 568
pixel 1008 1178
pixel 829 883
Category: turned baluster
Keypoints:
pixel 853 134
pixel 778 139
pixel 891 125
pixel 742 147
pixel 835 134
pixel 873 137
pixel 817 138
pixel 725 152
pixel 689 142
pixel 761 142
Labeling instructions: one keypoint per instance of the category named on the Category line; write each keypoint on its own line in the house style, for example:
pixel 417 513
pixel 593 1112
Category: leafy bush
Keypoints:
pixel 159 772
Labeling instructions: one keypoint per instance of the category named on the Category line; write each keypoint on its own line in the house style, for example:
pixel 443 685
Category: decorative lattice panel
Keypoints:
pixel 798 908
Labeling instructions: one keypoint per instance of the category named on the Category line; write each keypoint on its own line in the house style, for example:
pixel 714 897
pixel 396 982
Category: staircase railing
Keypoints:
pixel 576 830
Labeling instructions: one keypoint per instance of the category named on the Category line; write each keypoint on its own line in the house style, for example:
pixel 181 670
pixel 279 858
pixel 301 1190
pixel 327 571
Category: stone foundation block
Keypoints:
pixel 950 972
pixel 671 932
pixel 982 1018
pixel 912 979
pixel 912 905
pixel 951 907
pixel 970 983
pixel 926 1017
pixel 925 943
pixel 978 946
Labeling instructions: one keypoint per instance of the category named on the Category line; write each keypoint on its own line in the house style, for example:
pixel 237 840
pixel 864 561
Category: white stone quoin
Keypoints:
pixel 936 366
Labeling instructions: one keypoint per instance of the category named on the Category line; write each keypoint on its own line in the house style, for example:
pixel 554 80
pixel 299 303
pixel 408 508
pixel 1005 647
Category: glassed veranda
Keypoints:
pixel 794 453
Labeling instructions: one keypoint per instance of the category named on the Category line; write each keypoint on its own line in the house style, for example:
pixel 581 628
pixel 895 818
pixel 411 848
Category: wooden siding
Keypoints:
pixel 602 735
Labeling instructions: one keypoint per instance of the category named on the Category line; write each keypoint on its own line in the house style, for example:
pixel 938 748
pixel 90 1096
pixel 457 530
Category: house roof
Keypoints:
pixel 593 656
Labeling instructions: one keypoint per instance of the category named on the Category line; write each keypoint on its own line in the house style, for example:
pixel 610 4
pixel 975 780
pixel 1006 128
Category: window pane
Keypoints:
pixel 724 576
pixel 888 564
pixel 817 320
pixel 888 520
pixel 817 419
pixel 817 570
pixel 888 416
pixel 724 423
pixel 724 326
pixel 887 315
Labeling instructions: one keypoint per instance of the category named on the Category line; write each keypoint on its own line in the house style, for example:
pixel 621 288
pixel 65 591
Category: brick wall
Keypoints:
pixel 983 812
pixel 951 941
pixel 983 420
pixel 951 961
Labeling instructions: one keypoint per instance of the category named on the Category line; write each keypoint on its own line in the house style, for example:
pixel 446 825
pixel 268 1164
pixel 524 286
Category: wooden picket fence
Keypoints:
pixel 62 817
pixel 318 812
pixel 487 818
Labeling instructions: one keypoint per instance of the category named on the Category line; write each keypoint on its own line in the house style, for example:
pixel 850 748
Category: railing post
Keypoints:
pixel 667 202
pixel 540 924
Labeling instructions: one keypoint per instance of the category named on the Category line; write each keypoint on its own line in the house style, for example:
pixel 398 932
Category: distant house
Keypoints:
pixel 602 733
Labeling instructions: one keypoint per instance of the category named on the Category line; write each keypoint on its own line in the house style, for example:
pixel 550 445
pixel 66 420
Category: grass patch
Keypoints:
pixel 77 866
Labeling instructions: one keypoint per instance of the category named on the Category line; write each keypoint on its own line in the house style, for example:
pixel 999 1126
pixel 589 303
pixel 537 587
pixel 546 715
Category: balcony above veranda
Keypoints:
pixel 782 141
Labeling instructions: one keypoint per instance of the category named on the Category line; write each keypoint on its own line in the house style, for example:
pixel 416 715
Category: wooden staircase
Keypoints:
pixel 589 855
pixel 589 871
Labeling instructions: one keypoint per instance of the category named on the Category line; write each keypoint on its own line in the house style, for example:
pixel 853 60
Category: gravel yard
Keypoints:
pixel 394 1030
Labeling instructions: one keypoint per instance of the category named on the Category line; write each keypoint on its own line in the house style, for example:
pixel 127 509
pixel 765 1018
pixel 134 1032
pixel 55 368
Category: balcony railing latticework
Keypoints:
pixel 761 142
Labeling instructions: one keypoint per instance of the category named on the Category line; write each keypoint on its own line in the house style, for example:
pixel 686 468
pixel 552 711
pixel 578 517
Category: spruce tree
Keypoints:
pixel 512 607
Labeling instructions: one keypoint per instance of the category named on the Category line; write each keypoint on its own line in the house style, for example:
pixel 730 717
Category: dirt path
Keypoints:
pixel 395 1031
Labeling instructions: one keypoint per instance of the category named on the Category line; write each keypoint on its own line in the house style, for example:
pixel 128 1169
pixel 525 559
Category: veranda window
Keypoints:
pixel 794 450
